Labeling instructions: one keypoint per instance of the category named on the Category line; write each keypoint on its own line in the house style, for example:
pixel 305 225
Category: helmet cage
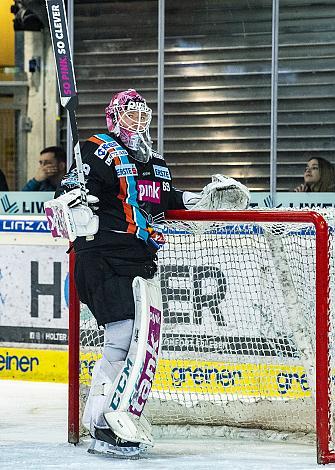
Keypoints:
pixel 134 116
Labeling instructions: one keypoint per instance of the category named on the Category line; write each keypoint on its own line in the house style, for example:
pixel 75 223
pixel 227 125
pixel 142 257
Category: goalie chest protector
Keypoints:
pixel 147 185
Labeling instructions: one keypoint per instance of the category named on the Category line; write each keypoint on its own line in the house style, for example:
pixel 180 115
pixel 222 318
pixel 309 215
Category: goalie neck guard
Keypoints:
pixel 129 117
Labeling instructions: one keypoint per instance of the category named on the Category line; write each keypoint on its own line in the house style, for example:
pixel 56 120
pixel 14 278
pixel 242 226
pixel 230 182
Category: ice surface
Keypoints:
pixel 33 436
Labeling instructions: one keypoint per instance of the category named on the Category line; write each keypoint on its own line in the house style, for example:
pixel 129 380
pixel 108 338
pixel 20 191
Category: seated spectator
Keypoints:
pixel 50 171
pixel 319 177
pixel 3 182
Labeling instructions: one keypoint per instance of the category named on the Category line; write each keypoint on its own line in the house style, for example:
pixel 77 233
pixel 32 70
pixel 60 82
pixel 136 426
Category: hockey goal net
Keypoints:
pixel 245 294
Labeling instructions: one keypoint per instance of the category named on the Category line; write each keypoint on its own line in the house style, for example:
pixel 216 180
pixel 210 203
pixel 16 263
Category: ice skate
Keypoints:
pixel 106 443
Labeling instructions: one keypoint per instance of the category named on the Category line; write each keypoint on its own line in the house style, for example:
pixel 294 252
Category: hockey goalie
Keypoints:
pixel 116 238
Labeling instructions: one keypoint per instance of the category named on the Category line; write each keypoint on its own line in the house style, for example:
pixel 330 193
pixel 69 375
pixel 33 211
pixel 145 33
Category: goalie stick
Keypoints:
pixel 66 79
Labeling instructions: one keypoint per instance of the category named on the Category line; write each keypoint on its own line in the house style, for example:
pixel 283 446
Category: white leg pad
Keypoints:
pixel 116 345
pixel 103 377
pixel 127 397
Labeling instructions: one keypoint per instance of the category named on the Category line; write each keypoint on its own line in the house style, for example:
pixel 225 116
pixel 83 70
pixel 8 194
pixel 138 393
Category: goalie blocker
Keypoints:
pixel 68 218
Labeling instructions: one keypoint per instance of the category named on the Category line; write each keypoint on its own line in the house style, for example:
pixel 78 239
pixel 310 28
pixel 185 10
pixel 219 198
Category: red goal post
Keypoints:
pixel 323 412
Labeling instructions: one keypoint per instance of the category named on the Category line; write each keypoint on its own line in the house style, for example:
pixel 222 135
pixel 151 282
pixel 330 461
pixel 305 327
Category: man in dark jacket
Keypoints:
pixel 50 171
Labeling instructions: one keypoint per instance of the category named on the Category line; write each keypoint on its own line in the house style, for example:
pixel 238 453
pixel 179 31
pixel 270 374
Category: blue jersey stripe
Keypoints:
pixel 107 138
pixel 132 200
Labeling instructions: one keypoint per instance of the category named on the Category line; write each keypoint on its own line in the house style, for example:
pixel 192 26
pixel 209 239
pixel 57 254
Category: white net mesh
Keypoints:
pixel 239 327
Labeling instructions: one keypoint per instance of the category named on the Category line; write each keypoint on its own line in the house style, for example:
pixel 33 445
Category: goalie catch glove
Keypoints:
pixel 222 193
pixel 68 218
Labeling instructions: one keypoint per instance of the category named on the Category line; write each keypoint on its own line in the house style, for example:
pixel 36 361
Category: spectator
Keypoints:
pixel 319 177
pixel 50 171
pixel 3 182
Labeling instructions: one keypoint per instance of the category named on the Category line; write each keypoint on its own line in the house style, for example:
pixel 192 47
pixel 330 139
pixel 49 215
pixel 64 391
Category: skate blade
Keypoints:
pixel 112 455
pixel 103 448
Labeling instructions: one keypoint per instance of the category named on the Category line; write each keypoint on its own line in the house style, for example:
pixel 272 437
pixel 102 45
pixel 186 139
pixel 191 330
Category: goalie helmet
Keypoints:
pixel 129 117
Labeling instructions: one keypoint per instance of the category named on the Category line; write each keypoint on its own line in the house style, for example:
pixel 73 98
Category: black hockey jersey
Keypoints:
pixel 133 195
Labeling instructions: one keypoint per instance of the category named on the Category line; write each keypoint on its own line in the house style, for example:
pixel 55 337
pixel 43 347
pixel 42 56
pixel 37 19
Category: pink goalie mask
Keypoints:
pixel 128 111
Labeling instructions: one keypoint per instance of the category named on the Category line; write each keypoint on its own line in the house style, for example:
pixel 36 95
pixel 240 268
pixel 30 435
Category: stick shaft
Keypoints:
pixel 66 78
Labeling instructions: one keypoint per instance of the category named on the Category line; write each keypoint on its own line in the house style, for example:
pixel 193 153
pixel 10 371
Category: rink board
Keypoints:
pixel 173 376
pixel 34 365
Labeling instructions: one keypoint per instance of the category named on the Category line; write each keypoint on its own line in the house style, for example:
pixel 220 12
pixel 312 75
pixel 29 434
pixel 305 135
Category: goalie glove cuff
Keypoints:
pixel 73 199
pixel 190 199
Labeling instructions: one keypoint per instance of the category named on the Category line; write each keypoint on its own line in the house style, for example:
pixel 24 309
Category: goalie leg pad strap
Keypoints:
pixel 126 400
